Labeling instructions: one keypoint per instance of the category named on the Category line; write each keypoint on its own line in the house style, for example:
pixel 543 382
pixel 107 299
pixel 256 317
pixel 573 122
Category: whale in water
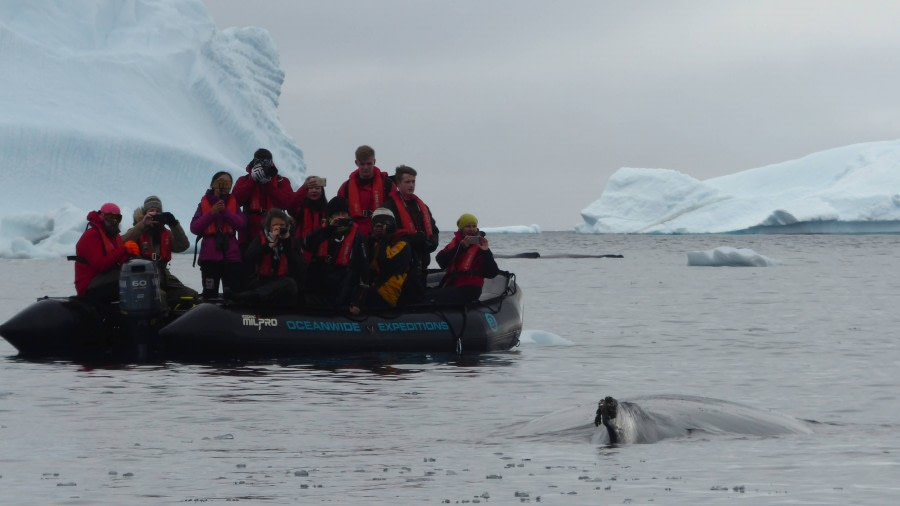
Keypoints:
pixel 653 418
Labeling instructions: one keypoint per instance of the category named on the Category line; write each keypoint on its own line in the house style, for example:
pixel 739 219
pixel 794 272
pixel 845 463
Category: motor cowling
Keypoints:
pixel 139 292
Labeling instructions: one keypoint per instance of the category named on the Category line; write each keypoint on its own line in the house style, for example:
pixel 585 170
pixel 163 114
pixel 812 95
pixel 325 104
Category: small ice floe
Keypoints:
pixel 513 229
pixel 543 338
pixel 726 256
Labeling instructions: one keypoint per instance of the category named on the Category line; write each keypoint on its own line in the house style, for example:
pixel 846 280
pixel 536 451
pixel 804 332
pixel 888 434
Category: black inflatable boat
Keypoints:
pixel 70 327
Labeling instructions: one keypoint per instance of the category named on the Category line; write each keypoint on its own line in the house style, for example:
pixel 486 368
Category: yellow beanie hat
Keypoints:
pixel 466 219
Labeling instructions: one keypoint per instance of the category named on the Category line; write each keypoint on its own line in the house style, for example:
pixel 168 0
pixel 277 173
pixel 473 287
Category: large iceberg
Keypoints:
pixel 119 99
pixel 853 189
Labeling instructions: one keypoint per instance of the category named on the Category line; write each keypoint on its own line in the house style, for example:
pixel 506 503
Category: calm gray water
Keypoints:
pixel 813 341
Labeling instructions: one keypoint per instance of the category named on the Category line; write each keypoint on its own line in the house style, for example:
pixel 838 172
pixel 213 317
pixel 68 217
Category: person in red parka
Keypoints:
pixel 308 210
pixel 467 260
pixel 258 191
pixel 99 255
pixel 365 190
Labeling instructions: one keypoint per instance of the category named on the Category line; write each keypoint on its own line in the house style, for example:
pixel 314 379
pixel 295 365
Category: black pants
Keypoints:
pixel 215 272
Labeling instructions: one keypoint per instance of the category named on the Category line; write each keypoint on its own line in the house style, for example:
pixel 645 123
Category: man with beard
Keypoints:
pixel 156 242
pixel 99 255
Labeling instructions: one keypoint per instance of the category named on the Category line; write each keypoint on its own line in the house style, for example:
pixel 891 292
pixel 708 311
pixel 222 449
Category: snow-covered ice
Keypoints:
pixel 852 189
pixel 726 256
pixel 115 101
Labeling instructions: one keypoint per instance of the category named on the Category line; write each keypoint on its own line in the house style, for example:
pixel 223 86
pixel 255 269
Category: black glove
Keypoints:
pixel 417 238
pixel 169 219
pixel 270 170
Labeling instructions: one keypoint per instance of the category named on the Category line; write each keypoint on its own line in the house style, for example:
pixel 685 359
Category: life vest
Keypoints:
pixel 312 220
pixel 226 228
pixel 258 202
pixel 406 221
pixel 108 244
pixel 265 265
pixel 459 272
pixel 353 200
pixel 463 264
pixel 165 246
pixel 390 288
pixel 344 253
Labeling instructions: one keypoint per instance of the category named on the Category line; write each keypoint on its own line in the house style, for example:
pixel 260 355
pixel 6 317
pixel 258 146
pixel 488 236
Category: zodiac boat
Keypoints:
pixel 71 327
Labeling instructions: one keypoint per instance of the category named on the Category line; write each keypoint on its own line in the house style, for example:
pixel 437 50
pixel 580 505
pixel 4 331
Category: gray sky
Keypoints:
pixel 518 111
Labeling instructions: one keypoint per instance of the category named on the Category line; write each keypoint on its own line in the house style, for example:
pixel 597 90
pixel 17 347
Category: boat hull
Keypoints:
pixel 62 327
pixel 73 328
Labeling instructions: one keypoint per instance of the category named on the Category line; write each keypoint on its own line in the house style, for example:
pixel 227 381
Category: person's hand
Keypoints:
pixel 258 174
pixel 149 218
pixel 218 207
pixel 168 218
pixel 354 309
pixel 485 245
pixel 132 248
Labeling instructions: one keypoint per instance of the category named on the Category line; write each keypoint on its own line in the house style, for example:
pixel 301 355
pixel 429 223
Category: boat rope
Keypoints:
pixel 456 337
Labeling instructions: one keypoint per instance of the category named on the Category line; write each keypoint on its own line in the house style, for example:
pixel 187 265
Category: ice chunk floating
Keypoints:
pixel 727 256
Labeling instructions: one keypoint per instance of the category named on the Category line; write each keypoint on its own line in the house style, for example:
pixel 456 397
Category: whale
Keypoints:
pixel 650 419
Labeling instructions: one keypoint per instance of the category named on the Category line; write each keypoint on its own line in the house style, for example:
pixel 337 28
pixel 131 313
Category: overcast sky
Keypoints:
pixel 518 111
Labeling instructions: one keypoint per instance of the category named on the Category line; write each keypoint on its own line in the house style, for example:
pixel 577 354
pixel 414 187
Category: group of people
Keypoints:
pixel 263 242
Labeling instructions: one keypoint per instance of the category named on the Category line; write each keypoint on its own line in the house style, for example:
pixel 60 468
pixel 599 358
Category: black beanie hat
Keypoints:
pixel 337 205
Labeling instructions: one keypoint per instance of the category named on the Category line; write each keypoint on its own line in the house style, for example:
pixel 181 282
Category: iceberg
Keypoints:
pixel 117 100
pixel 852 189
pixel 726 256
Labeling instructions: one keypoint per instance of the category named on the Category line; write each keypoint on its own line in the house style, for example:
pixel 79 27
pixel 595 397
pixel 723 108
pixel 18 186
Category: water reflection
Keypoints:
pixel 388 365
pixel 377 364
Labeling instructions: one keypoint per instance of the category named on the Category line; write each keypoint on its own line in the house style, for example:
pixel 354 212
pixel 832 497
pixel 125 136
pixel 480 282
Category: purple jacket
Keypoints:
pixel 209 250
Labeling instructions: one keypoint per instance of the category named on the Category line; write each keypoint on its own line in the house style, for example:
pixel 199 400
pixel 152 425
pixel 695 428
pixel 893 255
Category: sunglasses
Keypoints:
pixel 113 218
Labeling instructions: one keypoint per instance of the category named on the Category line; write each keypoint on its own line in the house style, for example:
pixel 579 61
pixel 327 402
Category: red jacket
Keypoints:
pixel 466 265
pixel 96 253
pixel 310 214
pixel 256 199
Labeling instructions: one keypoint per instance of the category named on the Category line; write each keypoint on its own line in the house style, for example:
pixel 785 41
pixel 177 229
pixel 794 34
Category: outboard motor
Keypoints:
pixel 140 300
